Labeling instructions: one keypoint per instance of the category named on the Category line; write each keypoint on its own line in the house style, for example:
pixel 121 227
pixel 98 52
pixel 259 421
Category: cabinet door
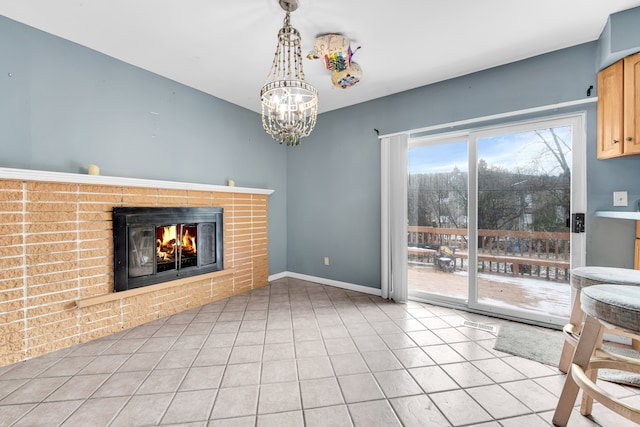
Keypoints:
pixel 632 104
pixel 610 106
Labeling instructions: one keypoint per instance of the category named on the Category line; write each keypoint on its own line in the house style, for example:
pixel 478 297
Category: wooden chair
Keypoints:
pixel 581 278
pixel 614 307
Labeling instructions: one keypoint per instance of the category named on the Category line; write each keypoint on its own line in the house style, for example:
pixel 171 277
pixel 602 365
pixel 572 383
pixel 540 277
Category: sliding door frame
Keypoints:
pixel 578 204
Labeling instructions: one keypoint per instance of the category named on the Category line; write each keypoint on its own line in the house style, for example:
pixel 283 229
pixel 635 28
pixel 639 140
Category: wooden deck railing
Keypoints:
pixel 541 254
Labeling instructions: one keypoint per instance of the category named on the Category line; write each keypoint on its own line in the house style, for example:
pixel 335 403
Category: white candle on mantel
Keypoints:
pixel 94 170
pixel 231 183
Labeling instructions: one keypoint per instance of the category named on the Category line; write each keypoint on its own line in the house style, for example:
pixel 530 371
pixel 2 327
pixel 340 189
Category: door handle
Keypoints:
pixel 577 223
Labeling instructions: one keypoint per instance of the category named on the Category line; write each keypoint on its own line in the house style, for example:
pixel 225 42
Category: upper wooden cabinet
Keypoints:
pixel 619 109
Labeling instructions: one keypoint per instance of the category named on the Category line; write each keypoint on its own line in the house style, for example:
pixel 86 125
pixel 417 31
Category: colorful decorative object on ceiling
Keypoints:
pixel 347 78
pixel 335 51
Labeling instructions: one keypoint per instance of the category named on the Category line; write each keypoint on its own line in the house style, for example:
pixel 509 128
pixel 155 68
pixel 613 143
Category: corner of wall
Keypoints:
pixel 619 38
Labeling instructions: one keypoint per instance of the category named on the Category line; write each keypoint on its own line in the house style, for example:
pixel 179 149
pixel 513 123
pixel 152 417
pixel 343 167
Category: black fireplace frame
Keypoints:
pixel 126 217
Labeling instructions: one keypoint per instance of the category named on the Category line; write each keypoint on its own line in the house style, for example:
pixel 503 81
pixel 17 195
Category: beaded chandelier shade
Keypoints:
pixel 289 103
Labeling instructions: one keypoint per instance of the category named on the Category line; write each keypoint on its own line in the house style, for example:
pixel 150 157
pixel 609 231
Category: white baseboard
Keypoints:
pixel 329 282
pixel 277 276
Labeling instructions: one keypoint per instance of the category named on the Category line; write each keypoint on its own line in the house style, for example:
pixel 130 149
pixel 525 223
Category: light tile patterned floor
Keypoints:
pixel 291 354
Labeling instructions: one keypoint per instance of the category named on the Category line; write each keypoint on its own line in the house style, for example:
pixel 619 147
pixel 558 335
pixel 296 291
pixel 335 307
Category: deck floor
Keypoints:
pixel 505 290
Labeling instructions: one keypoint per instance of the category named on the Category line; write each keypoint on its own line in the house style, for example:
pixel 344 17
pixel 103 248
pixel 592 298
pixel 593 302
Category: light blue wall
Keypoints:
pixel 63 106
pixel 334 176
pixel 620 37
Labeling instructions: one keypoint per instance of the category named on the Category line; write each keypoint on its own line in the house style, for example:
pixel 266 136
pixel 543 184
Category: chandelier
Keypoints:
pixel 289 103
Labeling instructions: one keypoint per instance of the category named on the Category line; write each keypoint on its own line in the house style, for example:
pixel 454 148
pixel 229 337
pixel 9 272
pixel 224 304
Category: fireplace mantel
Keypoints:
pixel 76 178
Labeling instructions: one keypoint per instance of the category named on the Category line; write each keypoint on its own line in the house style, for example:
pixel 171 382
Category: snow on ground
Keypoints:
pixel 551 297
pixel 536 294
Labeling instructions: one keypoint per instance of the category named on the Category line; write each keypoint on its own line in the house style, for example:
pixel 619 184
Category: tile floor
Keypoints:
pixel 291 354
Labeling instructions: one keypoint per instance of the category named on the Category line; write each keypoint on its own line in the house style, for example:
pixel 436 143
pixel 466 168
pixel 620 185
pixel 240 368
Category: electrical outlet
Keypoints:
pixel 326 260
pixel 620 198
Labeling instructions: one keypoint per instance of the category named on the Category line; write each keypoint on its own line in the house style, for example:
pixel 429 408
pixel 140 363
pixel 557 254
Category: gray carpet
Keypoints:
pixel 541 345
pixel 545 346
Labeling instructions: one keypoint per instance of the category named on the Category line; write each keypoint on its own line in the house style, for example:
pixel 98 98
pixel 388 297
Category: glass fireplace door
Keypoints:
pixel 142 251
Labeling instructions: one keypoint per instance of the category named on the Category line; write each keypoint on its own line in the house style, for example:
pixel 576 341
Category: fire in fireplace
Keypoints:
pixel 155 245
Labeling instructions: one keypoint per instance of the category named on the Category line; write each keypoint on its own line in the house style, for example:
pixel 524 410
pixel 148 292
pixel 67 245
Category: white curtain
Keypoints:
pixel 394 217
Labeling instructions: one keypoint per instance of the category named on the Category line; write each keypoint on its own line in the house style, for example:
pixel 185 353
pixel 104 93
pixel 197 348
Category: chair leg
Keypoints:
pixel 581 357
pixel 586 406
pixel 577 317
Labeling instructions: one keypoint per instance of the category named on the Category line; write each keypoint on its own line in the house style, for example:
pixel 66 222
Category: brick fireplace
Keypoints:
pixel 56 256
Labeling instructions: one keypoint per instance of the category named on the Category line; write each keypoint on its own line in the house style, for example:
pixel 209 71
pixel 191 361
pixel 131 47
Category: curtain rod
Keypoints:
pixel 494 117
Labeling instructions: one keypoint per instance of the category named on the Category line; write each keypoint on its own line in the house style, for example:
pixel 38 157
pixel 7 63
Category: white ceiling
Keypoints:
pixel 225 48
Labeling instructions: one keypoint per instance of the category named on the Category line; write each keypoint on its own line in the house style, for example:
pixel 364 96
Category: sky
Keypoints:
pixel 511 151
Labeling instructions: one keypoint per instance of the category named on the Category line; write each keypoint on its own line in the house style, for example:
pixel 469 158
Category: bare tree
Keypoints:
pixel 535 198
pixel 557 147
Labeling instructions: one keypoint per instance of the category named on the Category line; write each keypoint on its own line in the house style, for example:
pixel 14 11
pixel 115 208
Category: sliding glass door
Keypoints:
pixel 438 236
pixel 487 214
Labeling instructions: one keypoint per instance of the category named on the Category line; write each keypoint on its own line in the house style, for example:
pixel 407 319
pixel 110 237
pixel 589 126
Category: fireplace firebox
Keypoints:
pixel 155 245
